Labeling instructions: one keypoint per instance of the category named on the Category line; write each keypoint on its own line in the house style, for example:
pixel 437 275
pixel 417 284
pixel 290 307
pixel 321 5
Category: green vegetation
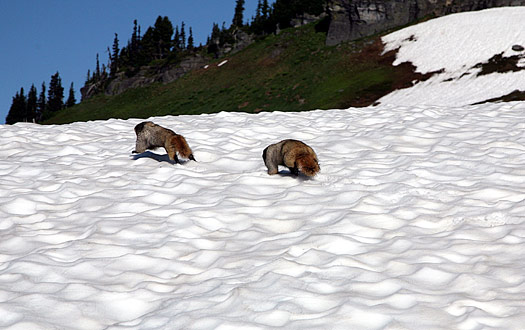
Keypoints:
pixel 291 71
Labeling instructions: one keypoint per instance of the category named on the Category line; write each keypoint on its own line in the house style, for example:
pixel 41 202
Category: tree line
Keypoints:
pixel 36 107
pixel 163 43
pixel 157 43
pixel 268 19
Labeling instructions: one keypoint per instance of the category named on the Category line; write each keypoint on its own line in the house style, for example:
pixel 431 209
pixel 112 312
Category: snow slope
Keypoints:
pixel 415 222
pixel 455 44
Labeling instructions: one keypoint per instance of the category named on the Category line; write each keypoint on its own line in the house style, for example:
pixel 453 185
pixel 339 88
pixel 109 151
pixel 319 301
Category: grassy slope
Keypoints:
pixel 292 71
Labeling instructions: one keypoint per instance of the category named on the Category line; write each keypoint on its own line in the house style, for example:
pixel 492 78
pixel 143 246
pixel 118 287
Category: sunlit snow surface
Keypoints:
pixel 416 221
pixel 453 45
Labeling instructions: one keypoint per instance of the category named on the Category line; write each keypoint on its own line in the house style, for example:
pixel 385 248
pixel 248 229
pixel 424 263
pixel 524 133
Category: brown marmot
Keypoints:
pixel 295 155
pixel 152 136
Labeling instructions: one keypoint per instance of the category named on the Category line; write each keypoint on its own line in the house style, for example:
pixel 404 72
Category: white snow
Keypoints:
pixel 455 44
pixel 416 221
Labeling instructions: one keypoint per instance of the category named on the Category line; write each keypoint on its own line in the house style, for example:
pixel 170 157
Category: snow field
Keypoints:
pixel 452 46
pixel 415 221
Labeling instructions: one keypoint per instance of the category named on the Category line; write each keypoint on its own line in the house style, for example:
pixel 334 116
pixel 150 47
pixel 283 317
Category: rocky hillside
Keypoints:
pixel 347 20
pixel 297 69
pixel 353 19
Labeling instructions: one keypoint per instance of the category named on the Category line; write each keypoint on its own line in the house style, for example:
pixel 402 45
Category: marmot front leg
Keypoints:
pixel 172 154
pixel 140 147
pixel 272 168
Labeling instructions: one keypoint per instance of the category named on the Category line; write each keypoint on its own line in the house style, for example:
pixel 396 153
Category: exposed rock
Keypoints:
pixel 146 75
pixel 164 74
pixel 518 48
pixel 354 19
pixel 306 19
pixel 240 41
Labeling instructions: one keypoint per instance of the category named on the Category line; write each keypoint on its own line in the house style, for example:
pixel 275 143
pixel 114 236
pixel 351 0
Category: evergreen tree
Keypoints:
pixel 162 34
pixel 190 40
pixel 88 77
pixel 285 10
pixel 31 106
pixel 238 15
pixel 14 111
pixel 104 73
pixel 268 25
pixel 22 106
pixel 71 100
pixel 110 60
pixel 96 76
pixel 42 103
pixel 55 95
pixel 148 46
pixel 157 41
pixel 17 112
pixel 114 57
pixel 213 41
pixel 176 40
pixel 135 39
pixel 258 11
pixel 265 10
pixel 183 36
pixel 258 21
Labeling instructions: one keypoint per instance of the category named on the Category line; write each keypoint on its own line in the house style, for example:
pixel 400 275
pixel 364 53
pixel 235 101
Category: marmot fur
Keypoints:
pixel 152 136
pixel 295 155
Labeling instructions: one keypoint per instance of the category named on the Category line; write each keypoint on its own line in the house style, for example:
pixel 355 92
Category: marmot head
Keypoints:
pixel 307 164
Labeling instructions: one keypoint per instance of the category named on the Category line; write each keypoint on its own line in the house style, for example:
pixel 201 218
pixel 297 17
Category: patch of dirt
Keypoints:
pixel 500 64
pixel 516 95
pixel 404 75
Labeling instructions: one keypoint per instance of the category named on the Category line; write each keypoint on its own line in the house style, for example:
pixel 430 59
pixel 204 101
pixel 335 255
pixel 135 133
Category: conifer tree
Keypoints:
pixel 258 11
pixel 41 104
pixel 135 39
pixel 176 40
pixel 55 95
pixel 148 46
pixel 238 15
pixel 13 114
pixel 214 40
pixel 162 34
pixel 96 76
pixel 183 36
pixel 104 73
pixel 17 112
pixel 190 40
pixel 71 100
pixel 114 57
pixel 265 10
pixel 88 77
pixel 31 106
pixel 258 22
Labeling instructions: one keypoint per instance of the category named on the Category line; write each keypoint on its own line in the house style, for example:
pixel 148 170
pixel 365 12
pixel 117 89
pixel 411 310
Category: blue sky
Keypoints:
pixel 40 37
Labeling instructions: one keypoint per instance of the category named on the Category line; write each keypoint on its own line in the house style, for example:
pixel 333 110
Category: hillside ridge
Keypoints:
pixel 293 70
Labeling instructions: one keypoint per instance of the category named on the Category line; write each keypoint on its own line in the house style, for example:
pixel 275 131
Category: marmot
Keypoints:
pixel 152 136
pixel 295 155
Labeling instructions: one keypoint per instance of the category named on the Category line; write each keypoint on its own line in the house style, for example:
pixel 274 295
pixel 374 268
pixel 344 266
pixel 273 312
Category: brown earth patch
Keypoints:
pixel 403 75
pixel 516 95
pixel 500 64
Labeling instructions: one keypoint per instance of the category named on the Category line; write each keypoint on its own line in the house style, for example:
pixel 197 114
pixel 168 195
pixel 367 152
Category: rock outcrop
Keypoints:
pixel 146 75
pixel 163 74
pixel 354 19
